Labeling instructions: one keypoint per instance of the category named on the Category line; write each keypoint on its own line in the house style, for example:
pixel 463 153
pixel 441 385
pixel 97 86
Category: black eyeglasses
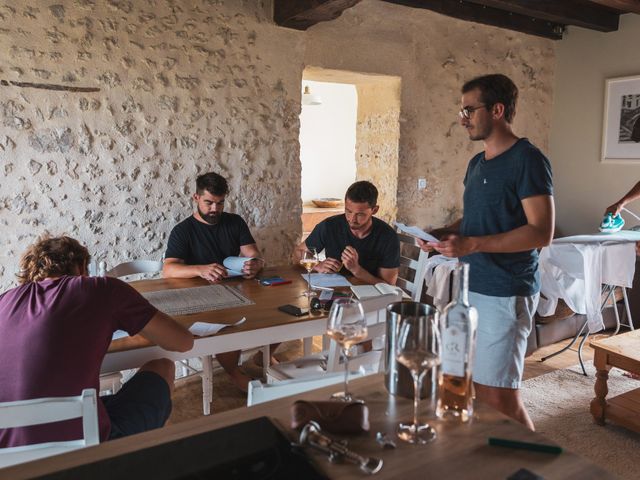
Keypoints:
pixel 466 112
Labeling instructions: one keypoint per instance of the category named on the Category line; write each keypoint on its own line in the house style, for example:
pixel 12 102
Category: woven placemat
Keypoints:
pixel 183 301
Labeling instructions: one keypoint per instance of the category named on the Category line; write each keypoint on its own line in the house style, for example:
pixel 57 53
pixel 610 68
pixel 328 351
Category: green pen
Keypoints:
pixel 536 447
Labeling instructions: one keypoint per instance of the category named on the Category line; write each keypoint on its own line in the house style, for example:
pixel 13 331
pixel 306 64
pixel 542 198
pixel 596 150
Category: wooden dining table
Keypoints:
pixel 460 451
pixel 264 324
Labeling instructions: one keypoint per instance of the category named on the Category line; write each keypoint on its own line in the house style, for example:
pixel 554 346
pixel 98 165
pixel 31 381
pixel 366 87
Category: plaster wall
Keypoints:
pixel 327 141
pixel 584 185
pixel 377 131
pixel 195 85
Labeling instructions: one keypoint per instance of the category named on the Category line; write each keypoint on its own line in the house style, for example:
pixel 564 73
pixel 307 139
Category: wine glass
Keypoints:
pixel 347 326
pixel 418 349
pixel 308 261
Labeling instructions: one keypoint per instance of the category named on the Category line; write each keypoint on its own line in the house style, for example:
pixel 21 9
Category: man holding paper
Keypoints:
pixel 356 241
pixel 508 214
pixel 199 246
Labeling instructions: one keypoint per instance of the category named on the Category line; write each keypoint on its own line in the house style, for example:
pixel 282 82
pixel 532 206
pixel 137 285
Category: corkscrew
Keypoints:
pixel 337 451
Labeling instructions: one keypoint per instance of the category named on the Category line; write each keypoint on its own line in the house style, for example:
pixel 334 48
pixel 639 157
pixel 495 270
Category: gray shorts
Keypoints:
pixel 504 324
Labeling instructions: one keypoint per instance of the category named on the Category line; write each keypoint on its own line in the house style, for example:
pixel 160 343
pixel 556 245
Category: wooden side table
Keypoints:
pixel 621 351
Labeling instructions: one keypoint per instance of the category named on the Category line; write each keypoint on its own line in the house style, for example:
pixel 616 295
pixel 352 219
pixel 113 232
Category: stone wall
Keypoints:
pixel 190 86
pixel 185 87
pixel 433 55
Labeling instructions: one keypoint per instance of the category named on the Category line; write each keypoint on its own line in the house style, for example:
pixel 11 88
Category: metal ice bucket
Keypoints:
pixel 397 378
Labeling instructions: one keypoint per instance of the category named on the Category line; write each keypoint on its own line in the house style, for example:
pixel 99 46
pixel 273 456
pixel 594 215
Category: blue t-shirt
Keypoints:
pixel 494 190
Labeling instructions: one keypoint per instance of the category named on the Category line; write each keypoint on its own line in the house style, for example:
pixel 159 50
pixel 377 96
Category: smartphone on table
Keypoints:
pixel 293 310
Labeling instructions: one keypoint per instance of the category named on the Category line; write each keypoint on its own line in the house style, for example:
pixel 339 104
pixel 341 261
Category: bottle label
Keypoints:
pixel 454 351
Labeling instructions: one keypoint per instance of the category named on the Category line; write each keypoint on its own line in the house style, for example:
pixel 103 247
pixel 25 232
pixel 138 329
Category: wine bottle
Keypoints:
pixel 459 327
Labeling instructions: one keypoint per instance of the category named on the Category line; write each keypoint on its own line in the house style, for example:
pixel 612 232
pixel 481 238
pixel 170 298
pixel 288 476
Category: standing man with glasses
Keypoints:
pixel 508 214
pixel 199 244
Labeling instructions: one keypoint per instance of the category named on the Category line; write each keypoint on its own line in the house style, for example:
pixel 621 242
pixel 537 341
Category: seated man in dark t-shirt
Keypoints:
pixel 198 246
pixel 356 241
pixel 55 329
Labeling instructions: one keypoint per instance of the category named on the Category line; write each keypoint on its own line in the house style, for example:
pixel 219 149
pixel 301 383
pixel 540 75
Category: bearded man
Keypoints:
pixel 199 244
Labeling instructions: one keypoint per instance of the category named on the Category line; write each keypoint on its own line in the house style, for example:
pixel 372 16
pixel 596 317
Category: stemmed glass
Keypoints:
pixel 308 261
pixel 418 349
pixel 347 326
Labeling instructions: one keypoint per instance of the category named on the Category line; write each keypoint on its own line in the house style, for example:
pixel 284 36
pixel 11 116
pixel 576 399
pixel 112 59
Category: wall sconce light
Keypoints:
pixel 309 98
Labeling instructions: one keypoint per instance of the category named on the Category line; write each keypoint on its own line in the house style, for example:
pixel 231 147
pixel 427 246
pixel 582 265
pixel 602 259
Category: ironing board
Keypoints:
pixel 580 269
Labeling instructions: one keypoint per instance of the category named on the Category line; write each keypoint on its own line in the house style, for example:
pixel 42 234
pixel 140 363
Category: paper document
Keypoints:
pixel 416 232
pixel 368 291
pixel 327 280
pixel 202 329
pixel 234 265
pixel 119 334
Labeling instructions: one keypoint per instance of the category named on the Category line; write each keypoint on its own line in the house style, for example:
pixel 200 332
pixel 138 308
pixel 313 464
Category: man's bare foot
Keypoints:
pixel 635 376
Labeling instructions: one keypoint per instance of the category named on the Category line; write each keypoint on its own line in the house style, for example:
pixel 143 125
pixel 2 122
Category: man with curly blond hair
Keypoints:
pixel 55 329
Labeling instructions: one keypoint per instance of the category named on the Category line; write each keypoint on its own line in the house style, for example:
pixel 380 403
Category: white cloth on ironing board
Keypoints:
pixel 575 272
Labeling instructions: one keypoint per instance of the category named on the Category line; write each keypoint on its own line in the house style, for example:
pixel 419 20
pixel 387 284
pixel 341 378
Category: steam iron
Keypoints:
pixel 611 224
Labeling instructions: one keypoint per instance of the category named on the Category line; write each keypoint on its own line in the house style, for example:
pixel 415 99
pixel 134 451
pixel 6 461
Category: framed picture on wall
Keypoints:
pixel 621 135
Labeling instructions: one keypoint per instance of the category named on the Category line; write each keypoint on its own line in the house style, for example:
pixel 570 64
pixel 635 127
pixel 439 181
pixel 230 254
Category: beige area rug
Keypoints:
pixel 558 403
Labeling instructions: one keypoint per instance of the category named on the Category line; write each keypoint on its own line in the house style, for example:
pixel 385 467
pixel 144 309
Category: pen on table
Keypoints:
pixel 536 447
pixel 276 283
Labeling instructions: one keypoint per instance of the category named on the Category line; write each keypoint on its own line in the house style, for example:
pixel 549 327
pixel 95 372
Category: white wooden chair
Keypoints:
pixel 412 266
pixel 329 361
pixel 264 392
pixel 206 373
pixel 135 267
pixel 112 382
pixel 25 413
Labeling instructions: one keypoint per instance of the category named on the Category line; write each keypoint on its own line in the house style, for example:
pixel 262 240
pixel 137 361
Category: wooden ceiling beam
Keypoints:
pixel 302 14
pixel 466 10
pixel 626 6
pixel 567 12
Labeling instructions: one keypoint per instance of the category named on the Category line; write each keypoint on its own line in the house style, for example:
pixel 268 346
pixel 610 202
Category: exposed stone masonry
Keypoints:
pixel 195 85
pixel 185 87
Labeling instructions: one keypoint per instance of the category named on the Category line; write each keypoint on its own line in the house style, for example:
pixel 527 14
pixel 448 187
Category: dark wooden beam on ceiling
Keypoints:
pixel 466 10
pixel 626 6
pixel 302 14
pixel 567 12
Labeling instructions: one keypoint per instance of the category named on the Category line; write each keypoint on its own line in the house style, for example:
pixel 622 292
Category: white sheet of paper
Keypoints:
pixel 202 329
pixel 623 236
pixel 234 265
pixel 365 291
pixel 326 294
pixel 416 232
pixel 327 280
pixel 119 334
